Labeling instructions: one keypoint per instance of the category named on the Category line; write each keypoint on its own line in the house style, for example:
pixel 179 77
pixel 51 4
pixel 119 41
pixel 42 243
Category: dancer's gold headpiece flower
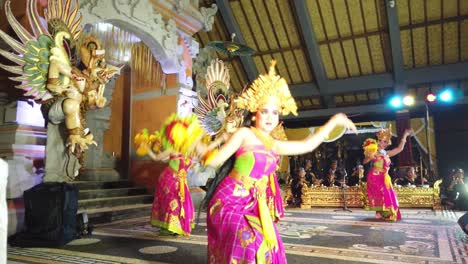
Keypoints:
pixel 385 133
pixel 265 88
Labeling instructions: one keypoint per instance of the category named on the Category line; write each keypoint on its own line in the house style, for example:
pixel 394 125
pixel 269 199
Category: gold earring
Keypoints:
pixel 253 118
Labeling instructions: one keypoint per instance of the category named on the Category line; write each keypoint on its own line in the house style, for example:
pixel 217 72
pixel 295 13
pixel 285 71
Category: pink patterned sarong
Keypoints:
pixel 172 206
pixel 237 231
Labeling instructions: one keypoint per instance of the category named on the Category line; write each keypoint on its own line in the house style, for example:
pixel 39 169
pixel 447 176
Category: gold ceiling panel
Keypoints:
pixel 243 24
pixel 338 60
pixel 464 39
pixel 352 60
pixel 378 96
pixel 284 12
pixel 355 15
pixel 361 97
pixel 451 42
pixel 308 103
pixel 435 44
pixel 269 27
pixel 246 18
pixel 303 65
pixel 420 51
pixel 378 58
pixel 327 61
pixel 346 30
pixel 349 98
pixel 258 61
pixel 433 32
pixel 364 56
pixel 338 99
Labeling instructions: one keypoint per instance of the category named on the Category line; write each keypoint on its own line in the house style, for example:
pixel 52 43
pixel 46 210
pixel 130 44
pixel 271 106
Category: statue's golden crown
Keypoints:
pixel 266 88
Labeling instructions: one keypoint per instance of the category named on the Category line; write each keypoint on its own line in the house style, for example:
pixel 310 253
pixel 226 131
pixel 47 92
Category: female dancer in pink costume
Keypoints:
pixel 173 209
pixel 240 226
pixel 382 197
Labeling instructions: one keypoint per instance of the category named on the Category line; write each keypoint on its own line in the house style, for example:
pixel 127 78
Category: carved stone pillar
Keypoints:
pixel 100 166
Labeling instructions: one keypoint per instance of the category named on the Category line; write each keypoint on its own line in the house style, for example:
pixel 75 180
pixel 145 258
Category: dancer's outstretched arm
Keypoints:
pixel 401 146
pixel 313 141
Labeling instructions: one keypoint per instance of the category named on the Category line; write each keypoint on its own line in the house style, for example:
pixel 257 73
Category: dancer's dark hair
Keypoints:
pixel 222 173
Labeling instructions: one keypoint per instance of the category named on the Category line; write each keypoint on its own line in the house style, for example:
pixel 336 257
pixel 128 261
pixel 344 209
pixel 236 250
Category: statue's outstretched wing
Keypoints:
pixel 32 52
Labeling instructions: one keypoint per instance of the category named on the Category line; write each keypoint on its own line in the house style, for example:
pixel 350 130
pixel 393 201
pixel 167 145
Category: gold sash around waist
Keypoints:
pixel 249 182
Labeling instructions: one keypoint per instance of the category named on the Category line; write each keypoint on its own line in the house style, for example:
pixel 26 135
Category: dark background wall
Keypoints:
pixel 451 125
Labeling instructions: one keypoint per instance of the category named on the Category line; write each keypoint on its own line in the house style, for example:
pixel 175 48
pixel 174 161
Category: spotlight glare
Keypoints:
pixel 446 95
pixel 430 97
pixel 395 102
pixel 408 100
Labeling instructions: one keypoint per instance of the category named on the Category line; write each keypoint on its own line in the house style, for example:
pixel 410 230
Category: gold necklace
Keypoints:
pixel 266 139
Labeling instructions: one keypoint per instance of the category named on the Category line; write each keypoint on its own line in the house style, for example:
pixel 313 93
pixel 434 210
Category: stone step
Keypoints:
pixel 86 204
pixel 117 213
pixel 87 185
pixel 102 193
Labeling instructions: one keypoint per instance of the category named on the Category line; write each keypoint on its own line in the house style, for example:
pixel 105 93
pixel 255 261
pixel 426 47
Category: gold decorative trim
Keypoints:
pixel 356 196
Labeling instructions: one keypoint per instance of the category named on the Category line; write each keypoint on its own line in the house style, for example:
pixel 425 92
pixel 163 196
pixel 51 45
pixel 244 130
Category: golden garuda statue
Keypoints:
pixel 59 68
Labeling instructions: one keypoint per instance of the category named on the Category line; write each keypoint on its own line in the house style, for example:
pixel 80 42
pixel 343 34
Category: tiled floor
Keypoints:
pixel 309 236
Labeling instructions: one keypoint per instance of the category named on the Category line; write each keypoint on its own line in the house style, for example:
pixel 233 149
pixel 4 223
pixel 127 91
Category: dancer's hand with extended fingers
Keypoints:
pixel 342 120
pixel 408 132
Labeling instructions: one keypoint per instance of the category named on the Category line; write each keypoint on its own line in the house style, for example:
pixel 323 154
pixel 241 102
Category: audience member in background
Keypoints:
pixel 457 192
pixel 311 176
pixel 331 178
pixel 298 182
pixel 411 178
pixel 356 176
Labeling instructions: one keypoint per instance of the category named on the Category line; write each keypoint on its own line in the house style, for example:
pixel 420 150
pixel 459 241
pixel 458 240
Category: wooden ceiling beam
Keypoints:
pixel 313 50
pixel 432 74
pixel 395 45
pixel 437 73
pixel 356 110
pixel 233 27
pixel 406 27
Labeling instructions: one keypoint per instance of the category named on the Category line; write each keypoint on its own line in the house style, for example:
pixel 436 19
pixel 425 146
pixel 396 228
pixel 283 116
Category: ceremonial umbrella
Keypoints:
pixel 231 48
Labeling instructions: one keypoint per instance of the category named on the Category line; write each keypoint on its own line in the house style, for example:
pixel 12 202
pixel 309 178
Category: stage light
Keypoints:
pixel 408 100
pixel 431 97
pixel 396 102
pixel 446 95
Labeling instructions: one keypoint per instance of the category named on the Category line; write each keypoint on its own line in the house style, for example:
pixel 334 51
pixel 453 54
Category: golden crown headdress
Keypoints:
pixel 268 87
pixel 385 133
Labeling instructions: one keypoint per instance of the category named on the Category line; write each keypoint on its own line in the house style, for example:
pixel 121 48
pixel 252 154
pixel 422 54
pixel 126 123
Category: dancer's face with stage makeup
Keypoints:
pixel 384 143
pixel 267 116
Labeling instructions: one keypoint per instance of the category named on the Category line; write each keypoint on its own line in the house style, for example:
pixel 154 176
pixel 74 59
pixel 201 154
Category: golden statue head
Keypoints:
pixel 265 89
pixel 92 53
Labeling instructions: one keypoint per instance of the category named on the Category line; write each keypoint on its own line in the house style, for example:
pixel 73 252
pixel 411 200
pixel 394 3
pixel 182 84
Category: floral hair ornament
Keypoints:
pixel 385 133
pixel 370 146
pixel 265 88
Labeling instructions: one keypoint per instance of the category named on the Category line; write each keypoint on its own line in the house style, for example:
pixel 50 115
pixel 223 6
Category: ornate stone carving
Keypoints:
pixel 139 17
pixel 208 15
pixel 200 65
